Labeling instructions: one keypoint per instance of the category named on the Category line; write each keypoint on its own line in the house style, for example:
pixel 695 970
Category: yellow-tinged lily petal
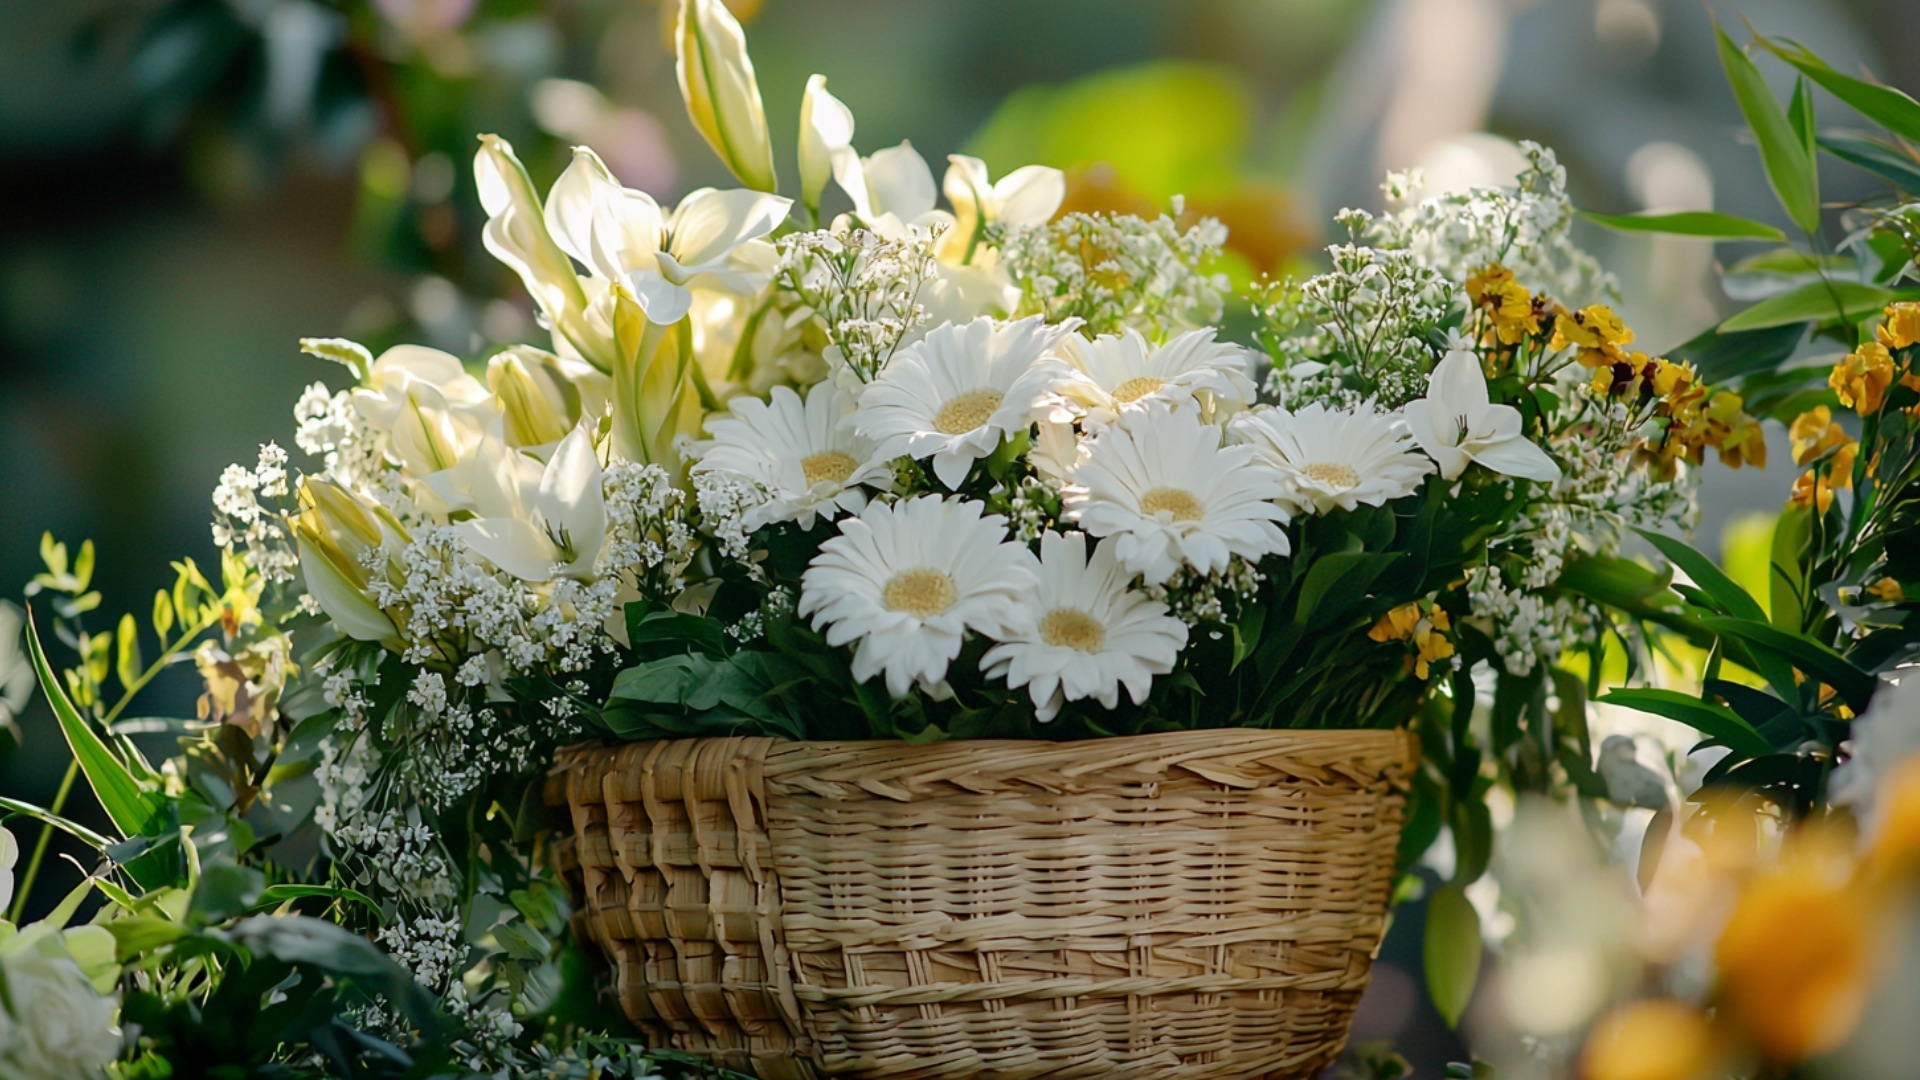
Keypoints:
pixel 654 399
pixel 538 403
pixel 722 95
pixel 334 532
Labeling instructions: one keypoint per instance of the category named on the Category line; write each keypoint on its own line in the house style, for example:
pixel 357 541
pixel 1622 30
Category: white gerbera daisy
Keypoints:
pixel 1334 459
pixel 908 581
pixel 1160 483
pixel 1090 633
pixel 1113 373
pixel 800 454
pixel 957 393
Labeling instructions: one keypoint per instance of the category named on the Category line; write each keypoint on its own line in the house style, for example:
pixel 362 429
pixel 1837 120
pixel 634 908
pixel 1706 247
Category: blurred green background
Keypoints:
pixel 189 186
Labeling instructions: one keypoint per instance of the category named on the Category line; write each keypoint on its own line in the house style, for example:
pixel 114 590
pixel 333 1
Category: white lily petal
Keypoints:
pixel 1518 457
pixel 1029 195
pixel 512 544
pixel 826 126
pixel 899 182
pixel 709 224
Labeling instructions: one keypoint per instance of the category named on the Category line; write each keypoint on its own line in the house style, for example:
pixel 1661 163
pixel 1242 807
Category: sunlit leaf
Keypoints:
pixel 1707 223
pixel 130 807
pixel 1786 157
pixel 1710 718
pixel 1884 105
pixel 1451 952
pixel 1816 301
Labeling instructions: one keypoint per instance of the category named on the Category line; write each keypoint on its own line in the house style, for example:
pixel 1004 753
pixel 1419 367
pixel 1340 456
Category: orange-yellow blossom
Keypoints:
pixel 1862 378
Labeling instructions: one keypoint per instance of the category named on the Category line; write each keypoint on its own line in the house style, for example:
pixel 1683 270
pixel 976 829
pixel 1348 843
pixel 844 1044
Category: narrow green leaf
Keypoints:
pixel 1451 952
pixel 1800 115
pixel 120 795
pixel 275 895
pixel 1884 105
pixel 1892 164
pixel 83 566
pixel 1818 661
pixel 1816 301
pixel 1724 591
pixel 72 828
pixel 1710 718
pixel 1788 162
pixel 1708 223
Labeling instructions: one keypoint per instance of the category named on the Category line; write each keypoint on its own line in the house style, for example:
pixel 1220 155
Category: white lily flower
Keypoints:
pixel 537 522
pixel 539 403
pixel 722 95
pixel 516 233
pixel 713 238
pixel 433 412
pixel 1029 195
pixel 335 532
pixel 826 129
pixel 1456 423
pixel 892 191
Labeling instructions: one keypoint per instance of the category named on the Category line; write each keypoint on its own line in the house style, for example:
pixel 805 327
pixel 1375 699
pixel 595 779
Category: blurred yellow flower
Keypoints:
pixel 1814 432
pixel 1886 590
pixel 1507 303
pixel 1650 1040
pixel 1429 636
pixel 1895 846
pixel 1397 624
pixel 1861 379
pixel 1796 957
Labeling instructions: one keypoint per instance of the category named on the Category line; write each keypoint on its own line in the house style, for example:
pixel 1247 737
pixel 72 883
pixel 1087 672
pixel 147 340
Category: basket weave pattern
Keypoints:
pixel 1204 902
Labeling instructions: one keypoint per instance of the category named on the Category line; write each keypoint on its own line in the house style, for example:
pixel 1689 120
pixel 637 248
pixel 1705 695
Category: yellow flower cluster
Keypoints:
pixel 1815 436
pixel 1600 336
pixel 1426 624
pixel 1864 377
pixel 1513 313
pixel 1798 955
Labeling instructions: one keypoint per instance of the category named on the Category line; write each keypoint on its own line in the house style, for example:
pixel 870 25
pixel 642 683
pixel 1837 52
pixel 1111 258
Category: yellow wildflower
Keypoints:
pixel 1745 444
pixel 1507 303
pixel 1429 637
pixel 1886 590
pixel 1596 330
pixel 1899 325
pixel 1895 844
pixel 1796 961
pixel 1861 379
pixel 1396 625
pixel 1650 1040
pixel 1814 433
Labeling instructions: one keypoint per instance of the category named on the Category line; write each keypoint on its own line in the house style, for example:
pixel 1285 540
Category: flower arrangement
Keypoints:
pixel 910 472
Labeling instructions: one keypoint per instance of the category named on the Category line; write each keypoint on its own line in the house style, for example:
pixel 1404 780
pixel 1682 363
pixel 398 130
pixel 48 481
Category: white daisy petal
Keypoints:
pixel 800 453
pixel 956 394
pixel 1115 373
pixel 909 579
pixel 1161 482
pixel 1088 633
pixel 1333 459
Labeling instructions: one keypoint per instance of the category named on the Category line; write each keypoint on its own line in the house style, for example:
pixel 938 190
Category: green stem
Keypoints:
pixel 40 847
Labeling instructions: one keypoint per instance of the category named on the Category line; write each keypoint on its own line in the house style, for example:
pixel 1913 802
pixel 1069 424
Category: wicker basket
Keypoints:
pixel 1203 903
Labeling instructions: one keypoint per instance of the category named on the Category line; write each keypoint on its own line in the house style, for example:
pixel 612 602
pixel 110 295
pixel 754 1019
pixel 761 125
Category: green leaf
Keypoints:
pixel 1854 686
pixel 1787 599
pixel 135 935
pixel 1723 590
pixel 1710 718
pixel 127 647
pixel 275 895
pixel 1800 115
pixel 1891 163
pixel 1451 952
pixel 1816 301
pixel 1883 105
pixel 129 806
pixel 72 828
pixel 1706 223
pixel 162 614
pixel 1787 158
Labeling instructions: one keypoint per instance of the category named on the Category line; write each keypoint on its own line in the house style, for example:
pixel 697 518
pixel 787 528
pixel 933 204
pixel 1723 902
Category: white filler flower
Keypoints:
pixel 908 580
pixel 1456 423
pixel 1113 373
pixel 1161 484
pixel 957 393
pixel 799 453
pixel 1090 633
pixel 1333 459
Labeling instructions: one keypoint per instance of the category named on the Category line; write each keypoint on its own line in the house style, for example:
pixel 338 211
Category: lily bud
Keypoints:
pixel 538 403
pixel 654 397
pixel 826 129
pixel 723 98
pixel 335 530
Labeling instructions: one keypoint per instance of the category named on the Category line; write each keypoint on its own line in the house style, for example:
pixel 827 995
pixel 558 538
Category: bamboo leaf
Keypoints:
pixel 1723 590
pixel 1710 718
pixel 1816 301
pixel 1707 223
pixel 71 828
pixel 1884 105
pixel 1854 686
pixel 1892 164
pixel 1786 157
pixel 129 806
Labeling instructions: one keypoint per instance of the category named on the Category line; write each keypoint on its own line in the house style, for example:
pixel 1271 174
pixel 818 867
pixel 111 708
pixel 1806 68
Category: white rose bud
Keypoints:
pixel 61 1028
pixel 723 98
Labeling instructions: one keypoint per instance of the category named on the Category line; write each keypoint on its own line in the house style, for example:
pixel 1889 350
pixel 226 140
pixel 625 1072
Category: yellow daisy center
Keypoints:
pixel 1180 505
pixel 1136 388
pixel 1333 474
pixel 827 465
pixel 920 593
pixel 1072 629
pixel 966 412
